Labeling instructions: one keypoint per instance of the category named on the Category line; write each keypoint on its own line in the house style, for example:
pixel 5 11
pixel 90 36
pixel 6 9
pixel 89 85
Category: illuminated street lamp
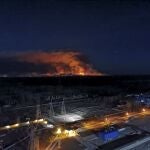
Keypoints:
pixel 127 114
pixel 107 122
pixel 106 119
pixel 8 127
pixel 35 121
pixel 45 122
pixel 143 110
pixel 27 122
pixel 40 120
pixel 16 125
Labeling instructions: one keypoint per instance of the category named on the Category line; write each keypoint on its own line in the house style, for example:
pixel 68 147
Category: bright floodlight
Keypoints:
pixel 71 133
pixel 68 117
pixel 58 131
pixel 50 126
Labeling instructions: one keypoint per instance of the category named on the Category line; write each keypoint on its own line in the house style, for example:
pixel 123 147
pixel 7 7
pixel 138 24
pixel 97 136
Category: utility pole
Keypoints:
pixel 51 110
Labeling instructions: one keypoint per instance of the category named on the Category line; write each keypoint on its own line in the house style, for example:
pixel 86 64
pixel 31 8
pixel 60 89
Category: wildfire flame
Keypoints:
pixel 60 63
pixel 46 64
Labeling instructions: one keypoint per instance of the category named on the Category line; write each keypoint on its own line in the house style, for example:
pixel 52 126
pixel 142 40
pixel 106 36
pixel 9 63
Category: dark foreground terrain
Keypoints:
pixel 124 83
pixel 27 91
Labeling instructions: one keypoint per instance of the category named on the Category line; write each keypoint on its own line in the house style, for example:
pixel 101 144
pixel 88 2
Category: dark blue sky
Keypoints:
pixel 114 35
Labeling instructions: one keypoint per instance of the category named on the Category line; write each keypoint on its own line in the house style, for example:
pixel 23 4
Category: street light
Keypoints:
pixel 40 120
pixel 16 125
pixel 127 114
pixel 35 121
pixel 106 119
pixel 107 122
pixel 45 122
pixel 27 122
pixel 8 127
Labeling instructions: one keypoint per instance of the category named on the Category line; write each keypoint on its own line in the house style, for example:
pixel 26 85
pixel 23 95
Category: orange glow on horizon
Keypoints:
pixel 60 63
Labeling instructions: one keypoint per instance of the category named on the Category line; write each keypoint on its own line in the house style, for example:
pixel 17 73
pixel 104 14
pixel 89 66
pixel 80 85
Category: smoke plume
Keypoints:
pixel 47 64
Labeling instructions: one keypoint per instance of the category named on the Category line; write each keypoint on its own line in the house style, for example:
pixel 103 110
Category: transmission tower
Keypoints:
pixel 38 110
pixel 63 108
pixel 34 139
pixel 51 110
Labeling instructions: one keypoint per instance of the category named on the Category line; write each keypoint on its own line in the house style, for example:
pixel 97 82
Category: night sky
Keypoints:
pixel 114 35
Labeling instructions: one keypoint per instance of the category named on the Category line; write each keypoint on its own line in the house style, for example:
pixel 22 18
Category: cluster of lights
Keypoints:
pixel 38 121
pixel 70 133
pixel 12 126
pixel 25 123
pixel 66 133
